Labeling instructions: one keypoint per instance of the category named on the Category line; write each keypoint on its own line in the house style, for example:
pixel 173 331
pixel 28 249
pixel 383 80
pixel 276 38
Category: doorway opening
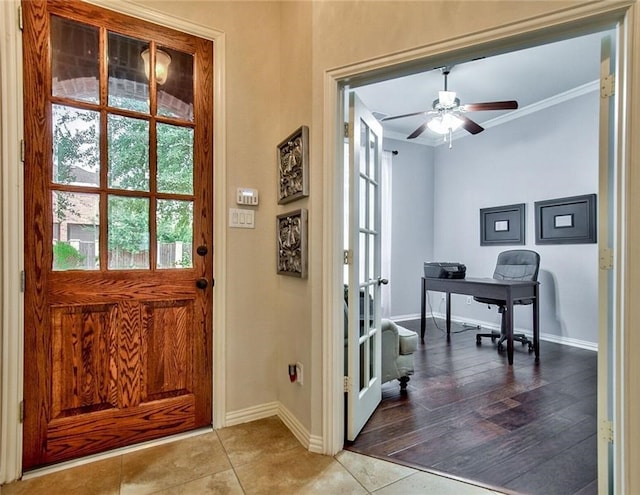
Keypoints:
pixel 449 195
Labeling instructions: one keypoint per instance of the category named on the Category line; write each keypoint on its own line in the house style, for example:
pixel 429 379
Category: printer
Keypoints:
pixel 435 269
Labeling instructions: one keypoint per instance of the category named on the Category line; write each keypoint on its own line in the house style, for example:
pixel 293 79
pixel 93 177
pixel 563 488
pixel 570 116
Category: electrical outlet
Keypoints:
pixel 469 299
pixel 299 374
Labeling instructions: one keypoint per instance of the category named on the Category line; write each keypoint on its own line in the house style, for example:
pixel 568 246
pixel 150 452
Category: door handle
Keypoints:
pixel 382 281
pixel 202 250
pixel 202 283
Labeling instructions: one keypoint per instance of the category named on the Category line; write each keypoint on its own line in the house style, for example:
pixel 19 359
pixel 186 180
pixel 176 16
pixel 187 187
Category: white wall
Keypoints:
pixel 549 154
pixel 412 223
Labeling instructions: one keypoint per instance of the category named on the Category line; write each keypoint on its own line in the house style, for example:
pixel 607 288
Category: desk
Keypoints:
pixel 505 290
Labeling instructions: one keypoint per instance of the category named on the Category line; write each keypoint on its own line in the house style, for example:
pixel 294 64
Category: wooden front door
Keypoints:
pixel 118 231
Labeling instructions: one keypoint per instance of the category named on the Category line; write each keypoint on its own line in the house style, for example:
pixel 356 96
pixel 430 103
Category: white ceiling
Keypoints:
pixel 529 76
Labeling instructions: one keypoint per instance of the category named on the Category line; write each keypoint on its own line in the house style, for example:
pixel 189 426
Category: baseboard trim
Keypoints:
pixel 295 426
pixel 313 443
pixel 252 413
pixel 547 337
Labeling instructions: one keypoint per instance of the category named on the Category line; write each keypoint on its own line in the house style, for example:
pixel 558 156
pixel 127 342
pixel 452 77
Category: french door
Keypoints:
pixel 364 278
pixel 118 231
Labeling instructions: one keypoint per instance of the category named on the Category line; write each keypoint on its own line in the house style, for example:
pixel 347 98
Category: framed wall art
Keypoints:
pixel 291 229
pixel 502 225
pixel 293 166
pixel 566 220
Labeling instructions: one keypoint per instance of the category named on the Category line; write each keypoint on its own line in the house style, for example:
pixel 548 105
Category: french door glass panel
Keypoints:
pixel 364 242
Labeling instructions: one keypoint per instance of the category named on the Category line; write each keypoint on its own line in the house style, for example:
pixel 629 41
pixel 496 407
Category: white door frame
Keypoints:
pixel 582 18
pixel 12 222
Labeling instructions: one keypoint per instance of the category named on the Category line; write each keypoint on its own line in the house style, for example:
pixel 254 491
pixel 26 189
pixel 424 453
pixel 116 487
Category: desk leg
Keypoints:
pixel 509 329
pixel 448 315
pixel 423 309
pixel 536 323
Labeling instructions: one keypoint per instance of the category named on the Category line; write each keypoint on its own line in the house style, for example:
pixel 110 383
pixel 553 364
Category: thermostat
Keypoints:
pixel 246 196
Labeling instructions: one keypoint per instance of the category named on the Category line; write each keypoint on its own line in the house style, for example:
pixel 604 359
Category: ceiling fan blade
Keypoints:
pixel 418 131
pixel 491 105
pixel 425 112
pixel 470 126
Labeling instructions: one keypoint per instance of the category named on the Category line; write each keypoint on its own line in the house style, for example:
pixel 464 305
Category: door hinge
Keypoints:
pixel 347 257
pixel 23 150
pixel 23 281
pixel 346 129
pixel 20 19
pixel 608 86
pixel 606 430
pixel 346 384
pixel 21 411
pixel 606 259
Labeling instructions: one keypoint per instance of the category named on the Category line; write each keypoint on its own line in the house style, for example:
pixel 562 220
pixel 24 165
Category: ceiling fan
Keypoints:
pixel 448 114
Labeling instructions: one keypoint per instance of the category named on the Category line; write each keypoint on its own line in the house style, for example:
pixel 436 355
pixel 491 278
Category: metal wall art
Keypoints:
pixel 502 225
pixel 566 220
pixel 291 229
pixel 293 166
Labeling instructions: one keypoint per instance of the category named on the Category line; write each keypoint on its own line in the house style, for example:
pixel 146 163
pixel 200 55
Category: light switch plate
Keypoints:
pixel 241 218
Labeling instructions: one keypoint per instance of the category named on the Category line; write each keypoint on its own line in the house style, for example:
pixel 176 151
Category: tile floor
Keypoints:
pixel 261 457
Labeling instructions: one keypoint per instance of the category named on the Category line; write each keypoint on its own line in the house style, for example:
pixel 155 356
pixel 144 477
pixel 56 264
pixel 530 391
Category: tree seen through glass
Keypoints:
pixel 76 162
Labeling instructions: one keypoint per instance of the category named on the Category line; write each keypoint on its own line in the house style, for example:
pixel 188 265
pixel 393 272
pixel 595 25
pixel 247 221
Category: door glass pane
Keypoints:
pixel 175 159
pixel 76 225
pixel 175 94
pixel 372 355
pixel 371 258
pixel 74 60
pixel 364 144
pixel 128 240
pixel 373 156
pixel 76 146
pixel 175 233
pixel 371 199
pixel 363 366
pixel 361 258
pixel 128 152
pixel 128 84
pixel 362 222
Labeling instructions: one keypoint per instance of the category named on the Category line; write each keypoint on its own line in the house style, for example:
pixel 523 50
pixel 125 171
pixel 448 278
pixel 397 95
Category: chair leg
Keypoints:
pixel 494 335
pixel 403 383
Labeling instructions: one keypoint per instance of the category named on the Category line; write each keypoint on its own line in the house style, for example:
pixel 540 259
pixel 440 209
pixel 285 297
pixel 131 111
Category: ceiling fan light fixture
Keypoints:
pixel 447 99
pixel 445 123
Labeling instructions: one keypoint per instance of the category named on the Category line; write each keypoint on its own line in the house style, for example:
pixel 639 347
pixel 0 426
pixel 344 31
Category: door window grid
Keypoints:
pixel 88 133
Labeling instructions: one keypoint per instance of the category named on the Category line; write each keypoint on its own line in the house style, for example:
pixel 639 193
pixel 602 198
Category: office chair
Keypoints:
pixel 517 264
